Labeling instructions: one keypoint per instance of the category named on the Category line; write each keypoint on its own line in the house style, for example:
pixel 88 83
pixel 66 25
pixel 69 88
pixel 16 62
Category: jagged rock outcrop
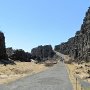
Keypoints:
pixel 42 53
pixel 3 54
pixel 9 51
pixel 78 47
pixel 21 55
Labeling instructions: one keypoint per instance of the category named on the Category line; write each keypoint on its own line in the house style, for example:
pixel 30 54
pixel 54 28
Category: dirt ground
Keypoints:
pixel 21 69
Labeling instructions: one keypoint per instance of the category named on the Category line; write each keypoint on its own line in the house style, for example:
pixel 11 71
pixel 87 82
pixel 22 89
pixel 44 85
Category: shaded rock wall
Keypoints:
pixel 3 54
pixel 21 55
pixel 42 52
pixel 78 47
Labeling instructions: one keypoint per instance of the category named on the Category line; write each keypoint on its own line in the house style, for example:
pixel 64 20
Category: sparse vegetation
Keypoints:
pixel 21 69
pixel 50 63
pixel 69 61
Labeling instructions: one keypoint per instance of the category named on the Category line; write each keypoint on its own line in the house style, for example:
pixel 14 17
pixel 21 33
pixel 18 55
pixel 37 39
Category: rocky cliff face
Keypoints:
pixel 10 51
pixel 3 54
pixel 78 47
pixel 42 53
pixel 19 55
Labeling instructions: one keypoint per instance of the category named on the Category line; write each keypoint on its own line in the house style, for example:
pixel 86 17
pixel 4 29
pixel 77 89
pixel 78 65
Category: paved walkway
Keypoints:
pixel 55 78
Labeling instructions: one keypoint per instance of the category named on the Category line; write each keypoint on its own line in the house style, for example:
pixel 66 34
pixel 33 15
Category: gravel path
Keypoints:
pixel 55 78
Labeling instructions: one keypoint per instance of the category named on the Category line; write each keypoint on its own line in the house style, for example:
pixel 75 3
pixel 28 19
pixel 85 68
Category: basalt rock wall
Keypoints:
pixel 78 47
pixel 42 53
pixel 3 54
pixel 19 55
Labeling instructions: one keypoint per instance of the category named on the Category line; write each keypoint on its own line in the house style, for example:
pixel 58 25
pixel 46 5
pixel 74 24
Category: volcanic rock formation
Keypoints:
pixel 3 54
pixel 78 47
pixel 21 55
pixel 42 53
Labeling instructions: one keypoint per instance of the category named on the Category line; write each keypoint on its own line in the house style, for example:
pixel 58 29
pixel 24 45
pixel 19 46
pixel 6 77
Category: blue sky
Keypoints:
pixel 29 23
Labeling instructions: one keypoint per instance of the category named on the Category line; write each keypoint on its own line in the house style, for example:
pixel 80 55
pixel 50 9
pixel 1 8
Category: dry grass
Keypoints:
pixel 21 69
pixel 50 63
pixel 71 69
pixel 80 71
